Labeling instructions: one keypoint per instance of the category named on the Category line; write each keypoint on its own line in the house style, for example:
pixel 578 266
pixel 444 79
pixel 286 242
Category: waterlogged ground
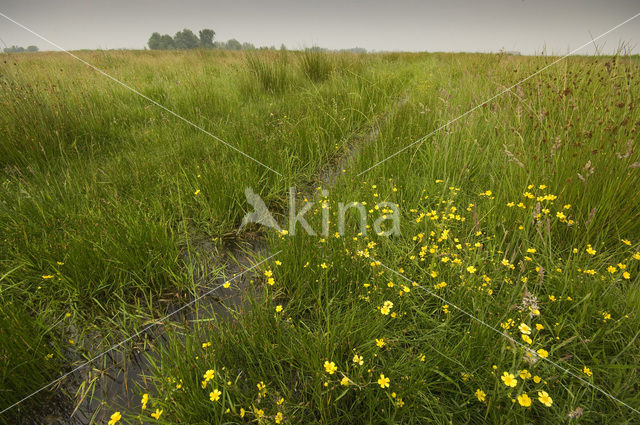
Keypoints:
pixel 509 294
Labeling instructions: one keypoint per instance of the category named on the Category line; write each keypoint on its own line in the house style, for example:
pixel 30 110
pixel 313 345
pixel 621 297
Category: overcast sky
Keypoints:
pixel 438 25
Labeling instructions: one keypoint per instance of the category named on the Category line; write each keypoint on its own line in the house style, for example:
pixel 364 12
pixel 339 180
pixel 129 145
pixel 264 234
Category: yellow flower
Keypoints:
pixel 242 412
pixel 278 308
pixel 524 329
pixel 208 375
pixel 206 344
pixel 215 395
pixel 611 269
pixel 626 275
pixel 144 401
pixel 383 382
pixel 279 417
pixel 524 400
pixel 539 326
pixel 543 353
pixel 527 339
pixel 262 388
pixel 544 398
pixel 344 381
pixel 330 367
pixel 537 379
pixel 196 192
pixel 525 374
pixel 47 276
pixel 587 371
pixel 626 241
pixel 471 269
pixel 509 380
pixel 481 394
pixel 636 256
pixel 157 414
pixel 358 359
pixel 115 418
pixel 380 342
pixel 591 250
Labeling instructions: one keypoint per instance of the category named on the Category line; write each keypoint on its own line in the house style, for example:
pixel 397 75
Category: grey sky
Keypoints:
pixel 438 25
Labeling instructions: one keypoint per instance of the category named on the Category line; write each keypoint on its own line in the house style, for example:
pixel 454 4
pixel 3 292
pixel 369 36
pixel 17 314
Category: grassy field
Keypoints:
pixel 509 296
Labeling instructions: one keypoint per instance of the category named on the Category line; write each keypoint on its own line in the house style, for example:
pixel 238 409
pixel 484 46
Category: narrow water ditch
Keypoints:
pixel 113 382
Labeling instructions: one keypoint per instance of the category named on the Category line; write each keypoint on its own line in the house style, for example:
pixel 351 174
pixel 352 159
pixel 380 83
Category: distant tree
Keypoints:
pixel 234 44
pixel 283 47
pixel 206 38
pixel 155 41
pixel 32 48
pixel 14 49
pixel 166 42
pixel 186 39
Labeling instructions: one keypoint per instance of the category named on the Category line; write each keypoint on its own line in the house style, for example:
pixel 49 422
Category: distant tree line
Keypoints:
pixel 186 39
pixel 18 49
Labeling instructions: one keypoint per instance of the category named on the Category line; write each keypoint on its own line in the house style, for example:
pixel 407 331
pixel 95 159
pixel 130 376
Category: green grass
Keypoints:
pixel 97 179
pixel 108 194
